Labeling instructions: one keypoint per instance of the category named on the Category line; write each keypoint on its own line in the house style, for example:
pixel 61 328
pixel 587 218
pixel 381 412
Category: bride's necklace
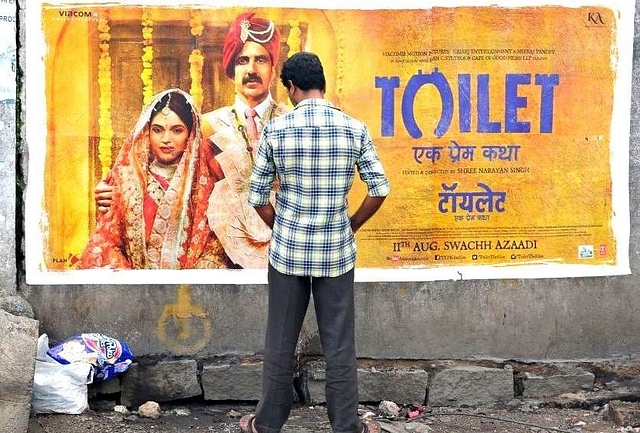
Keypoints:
pixel 163 170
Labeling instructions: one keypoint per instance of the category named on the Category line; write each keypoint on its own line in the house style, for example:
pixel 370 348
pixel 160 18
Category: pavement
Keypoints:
pixel 521 417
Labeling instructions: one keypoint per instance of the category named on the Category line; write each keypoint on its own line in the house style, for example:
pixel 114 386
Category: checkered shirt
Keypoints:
pixel 314 151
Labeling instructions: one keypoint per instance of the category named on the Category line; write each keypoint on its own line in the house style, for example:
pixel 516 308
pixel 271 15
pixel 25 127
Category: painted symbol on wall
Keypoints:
pixel 184 327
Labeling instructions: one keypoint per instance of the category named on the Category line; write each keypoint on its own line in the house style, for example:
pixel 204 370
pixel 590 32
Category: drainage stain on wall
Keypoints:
pixel 184 327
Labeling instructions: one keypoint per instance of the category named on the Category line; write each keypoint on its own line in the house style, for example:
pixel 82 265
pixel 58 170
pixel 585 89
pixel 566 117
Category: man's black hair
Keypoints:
pixel 305 71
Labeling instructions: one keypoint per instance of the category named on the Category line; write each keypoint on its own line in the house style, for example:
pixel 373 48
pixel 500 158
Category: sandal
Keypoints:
pixel 370 427
pixel 246 423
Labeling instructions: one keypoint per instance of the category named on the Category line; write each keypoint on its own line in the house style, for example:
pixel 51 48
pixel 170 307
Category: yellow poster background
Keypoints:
pixel 556 179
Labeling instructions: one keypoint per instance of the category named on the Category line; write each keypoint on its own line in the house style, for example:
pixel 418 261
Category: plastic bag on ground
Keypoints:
pixel 108 355
pixel 59 388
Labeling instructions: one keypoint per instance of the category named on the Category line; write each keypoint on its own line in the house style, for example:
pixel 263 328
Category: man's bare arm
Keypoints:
pixel 267 213
pixel 367 209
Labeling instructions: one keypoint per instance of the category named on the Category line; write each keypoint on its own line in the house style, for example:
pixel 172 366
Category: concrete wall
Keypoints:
pixel 569 319
pixel 586 319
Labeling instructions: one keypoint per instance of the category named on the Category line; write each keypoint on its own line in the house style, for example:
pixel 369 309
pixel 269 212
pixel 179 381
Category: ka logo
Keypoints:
pixel 595 18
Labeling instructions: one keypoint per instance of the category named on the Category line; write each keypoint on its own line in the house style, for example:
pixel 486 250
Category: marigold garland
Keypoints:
pixel 293 40
pixel 196 60
pixel 342 56
pixel 105 128
pixel 147 57
pixel 195 22
pixel 196 63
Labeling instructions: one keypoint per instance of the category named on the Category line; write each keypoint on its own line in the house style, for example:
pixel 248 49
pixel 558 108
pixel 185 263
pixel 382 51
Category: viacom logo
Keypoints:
pixel 70 14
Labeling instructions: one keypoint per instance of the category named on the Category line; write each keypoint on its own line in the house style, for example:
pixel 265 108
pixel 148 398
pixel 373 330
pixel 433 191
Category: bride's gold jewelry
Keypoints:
pixel 163 170
pixel 166 110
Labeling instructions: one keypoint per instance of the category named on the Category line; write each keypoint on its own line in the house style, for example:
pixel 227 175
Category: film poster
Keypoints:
pixel 503 129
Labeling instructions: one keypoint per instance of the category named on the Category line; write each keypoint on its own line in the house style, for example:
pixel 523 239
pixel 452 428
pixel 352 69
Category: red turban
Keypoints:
pixel 248 28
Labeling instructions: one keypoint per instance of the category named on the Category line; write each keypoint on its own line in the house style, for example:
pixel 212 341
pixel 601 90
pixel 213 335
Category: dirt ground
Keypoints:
pixel 224 419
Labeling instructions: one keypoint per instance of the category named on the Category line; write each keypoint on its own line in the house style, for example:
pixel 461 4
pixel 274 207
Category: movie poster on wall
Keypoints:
pixel 503 128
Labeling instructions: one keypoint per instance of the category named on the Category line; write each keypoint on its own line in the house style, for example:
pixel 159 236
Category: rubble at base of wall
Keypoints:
pixel 432 383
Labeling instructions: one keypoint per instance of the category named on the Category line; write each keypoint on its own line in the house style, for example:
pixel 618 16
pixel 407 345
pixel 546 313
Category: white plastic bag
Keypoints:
pixel 58 387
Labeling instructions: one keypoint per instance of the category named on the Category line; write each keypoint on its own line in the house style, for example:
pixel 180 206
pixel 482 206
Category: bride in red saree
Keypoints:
pixel 162 180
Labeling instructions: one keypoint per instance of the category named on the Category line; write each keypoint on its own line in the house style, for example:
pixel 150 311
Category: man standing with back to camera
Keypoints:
pixel 313 151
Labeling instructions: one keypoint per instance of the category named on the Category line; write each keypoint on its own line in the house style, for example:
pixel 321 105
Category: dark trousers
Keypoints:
pixel 334 304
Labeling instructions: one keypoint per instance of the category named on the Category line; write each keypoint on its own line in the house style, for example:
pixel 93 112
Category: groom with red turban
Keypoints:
pixel 247 27
pixel 249 57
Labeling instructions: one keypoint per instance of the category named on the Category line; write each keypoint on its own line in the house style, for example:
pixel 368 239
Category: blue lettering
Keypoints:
pixel 415 83
pixel 388 85
pixel 484 124
pixel 512 103
pixel 464 102
pixel 547 83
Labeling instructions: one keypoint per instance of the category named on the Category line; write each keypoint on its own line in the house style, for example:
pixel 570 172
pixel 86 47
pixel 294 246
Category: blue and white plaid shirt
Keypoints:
pixel 314 151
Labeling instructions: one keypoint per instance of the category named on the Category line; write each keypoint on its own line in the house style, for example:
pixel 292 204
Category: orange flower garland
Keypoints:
pixel 196 23
pixel 147 57
pixel 293 40
pixel 196 60
pixel 105 128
